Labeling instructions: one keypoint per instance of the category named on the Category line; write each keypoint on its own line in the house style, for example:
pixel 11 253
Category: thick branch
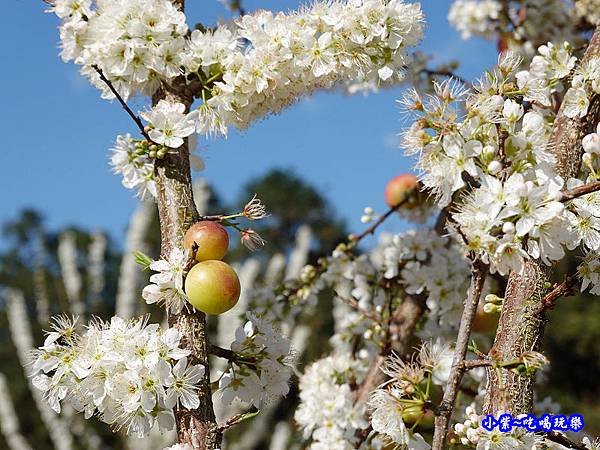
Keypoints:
pixel 177 212
pixel 442 420
pixel 522 319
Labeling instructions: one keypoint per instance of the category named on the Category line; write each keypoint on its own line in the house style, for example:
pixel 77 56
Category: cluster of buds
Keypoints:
pixel 152 150
pixel 493 304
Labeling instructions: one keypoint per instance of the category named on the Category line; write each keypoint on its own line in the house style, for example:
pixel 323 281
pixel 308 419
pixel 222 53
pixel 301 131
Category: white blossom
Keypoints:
pixel 129 373
pixel 137 169
pixel 169 124
pixel 166 286
pixel 261 368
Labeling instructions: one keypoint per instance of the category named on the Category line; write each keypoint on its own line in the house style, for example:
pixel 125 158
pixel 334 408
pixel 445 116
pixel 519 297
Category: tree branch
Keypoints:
pixel 447 74
pixel 355 238
pixel 475 363
pixel 563 440
pixel 354 305
pixel 177 212
pixel 123 103
pixel 522 319
pixel 579 191
pixel 560 290
pixel 442 421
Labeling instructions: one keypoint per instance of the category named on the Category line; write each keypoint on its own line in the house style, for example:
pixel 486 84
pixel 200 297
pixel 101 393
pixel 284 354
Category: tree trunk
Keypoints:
pixel 521 328
pixel 177 212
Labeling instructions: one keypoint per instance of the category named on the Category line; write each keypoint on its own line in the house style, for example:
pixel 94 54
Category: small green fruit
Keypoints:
pixel 212 287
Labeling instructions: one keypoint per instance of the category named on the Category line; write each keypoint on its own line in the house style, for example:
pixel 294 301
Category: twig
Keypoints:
pixel 192 259
pixel 355 238
pixel 229 355
pixel 559 290
pixel 578 191
pixel 126 107
pixel 563 440
pixel 354 304
pixel 221 352
pixel 238 418
pixel 475 363
pixel 478 273
pixel 446 73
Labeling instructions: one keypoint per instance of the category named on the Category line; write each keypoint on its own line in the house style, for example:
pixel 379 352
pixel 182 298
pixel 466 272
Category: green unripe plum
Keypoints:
pixel 416 414
pixel 211 237
pixel 212 287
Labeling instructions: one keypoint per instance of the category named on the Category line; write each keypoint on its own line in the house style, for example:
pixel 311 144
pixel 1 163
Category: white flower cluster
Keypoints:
pixel 508 207
pixel 242 72
pixel 328 411
pixel 474 18
pixel 286 56
pixel 411 263
pixel 169 124
pixel 136 43
pixel 166 286
pixel 472 435
pixel 520 25
pixel 259 66
pixel 552 64
pixel 589 272
pixel 135 167
pixel 586 82
pixel 129 373
pixel 427 264
pixel 260 370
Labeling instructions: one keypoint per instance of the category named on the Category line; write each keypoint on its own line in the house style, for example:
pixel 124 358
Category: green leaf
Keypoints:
pixel 245 416
pixel 142 259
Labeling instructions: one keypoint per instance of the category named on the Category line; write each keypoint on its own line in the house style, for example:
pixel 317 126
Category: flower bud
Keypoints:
pixel 521 189
pixel 494 167
pixel 488 152
pixel 493 298
pixel 529 186
pixel 490 308
pixel 508 228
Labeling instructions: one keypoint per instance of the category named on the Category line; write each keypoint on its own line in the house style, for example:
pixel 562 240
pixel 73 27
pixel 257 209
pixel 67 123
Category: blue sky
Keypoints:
pixel 57 131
